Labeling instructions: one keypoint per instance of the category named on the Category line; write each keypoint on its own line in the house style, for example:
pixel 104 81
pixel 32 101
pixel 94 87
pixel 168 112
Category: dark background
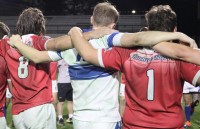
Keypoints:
pixel 188 11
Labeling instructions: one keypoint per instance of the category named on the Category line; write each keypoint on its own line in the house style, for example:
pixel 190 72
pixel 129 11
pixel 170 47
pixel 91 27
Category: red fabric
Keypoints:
pixel 167 75
pixel 3 83
pixel 32 84
pixel 123 79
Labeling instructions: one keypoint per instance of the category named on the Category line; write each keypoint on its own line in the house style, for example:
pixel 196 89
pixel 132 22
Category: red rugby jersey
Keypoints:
pixel 154 86
pixel 31 82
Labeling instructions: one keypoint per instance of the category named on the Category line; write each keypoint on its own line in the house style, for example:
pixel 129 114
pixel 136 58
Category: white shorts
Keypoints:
pixel 2 123
pixel 77 124
pixel 8 94
pixel 54 86
pixel 39 117
pixel 188 88
pixel 122 89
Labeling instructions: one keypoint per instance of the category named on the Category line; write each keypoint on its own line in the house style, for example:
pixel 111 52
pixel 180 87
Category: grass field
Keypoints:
pixel 195 119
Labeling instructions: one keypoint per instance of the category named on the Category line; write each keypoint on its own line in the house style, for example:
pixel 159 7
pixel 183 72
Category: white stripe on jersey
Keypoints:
pixel 45 45
pixel 196 77
pixel 54 56
pixel 100 58
pixel 117 39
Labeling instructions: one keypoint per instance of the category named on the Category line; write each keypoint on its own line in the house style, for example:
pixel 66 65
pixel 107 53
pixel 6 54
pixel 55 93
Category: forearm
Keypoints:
pixel 147 38
pixel 59 44
pixel 83 47
pixel 178 51
pixel 88 35
pixel 34 55
pixel 64 42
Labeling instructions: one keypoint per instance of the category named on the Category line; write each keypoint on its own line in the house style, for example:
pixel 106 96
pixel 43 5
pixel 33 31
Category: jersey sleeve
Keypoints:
pixel 114 39
pixel 55 55
pixel 40 42
pixel 35 41
pixel 113 58
pixel 190 72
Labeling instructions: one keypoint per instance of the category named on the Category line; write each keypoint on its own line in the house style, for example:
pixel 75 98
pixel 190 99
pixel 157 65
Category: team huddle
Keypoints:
pixel 154 69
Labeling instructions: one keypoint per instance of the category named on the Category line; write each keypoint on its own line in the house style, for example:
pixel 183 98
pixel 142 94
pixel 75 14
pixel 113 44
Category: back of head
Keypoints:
pixel 161 18
pixel 105 14
pixel 4 30
pixel 31 21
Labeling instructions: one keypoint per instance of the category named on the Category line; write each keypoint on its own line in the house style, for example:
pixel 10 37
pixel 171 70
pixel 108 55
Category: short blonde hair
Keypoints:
pixel 104 14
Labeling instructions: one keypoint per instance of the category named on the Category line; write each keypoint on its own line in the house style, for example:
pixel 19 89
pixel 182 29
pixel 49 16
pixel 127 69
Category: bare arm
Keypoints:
pixel 29 52
pixel 91 55
pixel 64 42
pixel 60 43
pixel 150 38
pixel 83 47
pixel 178 51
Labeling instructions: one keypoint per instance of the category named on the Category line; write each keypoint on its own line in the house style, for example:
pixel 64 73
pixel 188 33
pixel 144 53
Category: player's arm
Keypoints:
pixel 29 52
pixel 150 38
pixel 83 47
pixel 178 51
pixel 64 42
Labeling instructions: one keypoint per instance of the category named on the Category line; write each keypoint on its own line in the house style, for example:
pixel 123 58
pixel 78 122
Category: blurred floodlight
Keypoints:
pixel 133 11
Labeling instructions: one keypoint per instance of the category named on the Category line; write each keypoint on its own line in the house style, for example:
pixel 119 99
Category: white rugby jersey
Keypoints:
pixel 189 88
pixel 95 89
pixel 63 72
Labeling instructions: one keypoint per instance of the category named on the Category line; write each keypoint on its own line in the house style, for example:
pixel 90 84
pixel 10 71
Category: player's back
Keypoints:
pixel 94 89
pixel 31 82
pixel 155 88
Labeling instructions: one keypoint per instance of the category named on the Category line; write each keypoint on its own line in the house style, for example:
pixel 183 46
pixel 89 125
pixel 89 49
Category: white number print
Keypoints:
pixel 150 90
pixel 23 67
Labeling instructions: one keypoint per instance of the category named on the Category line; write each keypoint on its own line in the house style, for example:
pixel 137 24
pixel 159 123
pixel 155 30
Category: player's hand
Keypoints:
pixel 187 40
pixel 14 39
pixel 74 30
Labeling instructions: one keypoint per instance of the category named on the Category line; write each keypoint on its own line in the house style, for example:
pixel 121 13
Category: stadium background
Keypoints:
pixel 188 12
pixel 61 15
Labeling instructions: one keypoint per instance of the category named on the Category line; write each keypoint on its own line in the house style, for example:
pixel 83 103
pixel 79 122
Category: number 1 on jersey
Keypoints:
pixel 150 90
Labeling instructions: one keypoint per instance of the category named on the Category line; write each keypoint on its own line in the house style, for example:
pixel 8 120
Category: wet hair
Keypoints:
pixel 4 30
pixel 31 21
pixel 161 18
pixel 105 14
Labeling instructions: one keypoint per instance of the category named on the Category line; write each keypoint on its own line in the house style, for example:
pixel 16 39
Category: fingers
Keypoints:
pixel 186 39
pixel 13 39
pixel 74 29
pixel 193 44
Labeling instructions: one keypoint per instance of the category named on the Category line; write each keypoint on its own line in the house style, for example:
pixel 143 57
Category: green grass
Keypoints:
pixel 195 119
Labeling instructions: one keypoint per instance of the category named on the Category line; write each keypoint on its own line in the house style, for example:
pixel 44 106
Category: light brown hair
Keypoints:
pixel 105 14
